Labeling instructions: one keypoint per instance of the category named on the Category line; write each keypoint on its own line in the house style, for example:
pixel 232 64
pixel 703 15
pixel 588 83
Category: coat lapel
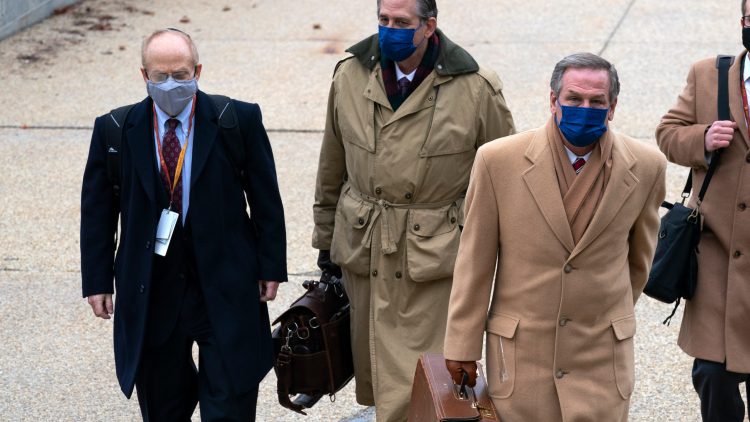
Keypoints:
pixel 541 180
pixel 423 97
pixel 736 108
pixel 140 137
pixel 206 130
pixel 621 184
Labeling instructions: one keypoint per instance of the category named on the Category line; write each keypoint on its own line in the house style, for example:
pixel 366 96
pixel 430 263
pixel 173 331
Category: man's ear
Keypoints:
pixel 431 25
pixel 144 74
pixel 198 69
pixel 611 114
pixel 552 102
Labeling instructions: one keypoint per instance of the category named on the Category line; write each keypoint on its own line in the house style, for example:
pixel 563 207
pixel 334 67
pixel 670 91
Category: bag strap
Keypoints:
pixel 113 135
pixel 722 106
pixel 233 141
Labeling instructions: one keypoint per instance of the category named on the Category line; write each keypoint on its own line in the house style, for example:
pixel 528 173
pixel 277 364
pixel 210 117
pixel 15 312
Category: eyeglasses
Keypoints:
pixel 746 21
pixel 182 75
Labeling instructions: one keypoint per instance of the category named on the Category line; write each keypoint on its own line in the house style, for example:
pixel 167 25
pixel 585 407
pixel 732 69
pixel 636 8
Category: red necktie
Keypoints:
pixel 171 152
pixel 578 164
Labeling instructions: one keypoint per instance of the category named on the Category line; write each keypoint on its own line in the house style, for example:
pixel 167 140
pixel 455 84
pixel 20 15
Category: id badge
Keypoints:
pixel 167 223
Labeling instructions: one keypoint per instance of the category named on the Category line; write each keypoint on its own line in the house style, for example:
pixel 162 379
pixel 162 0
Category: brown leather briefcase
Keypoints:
pixel 434 397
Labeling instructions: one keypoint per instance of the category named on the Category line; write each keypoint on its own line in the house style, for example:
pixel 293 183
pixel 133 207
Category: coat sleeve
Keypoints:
pixel 643 234
pixel 331 173
pixel 267 211
pixel 680 135
pixel 99 215
pixel 474 272
pixel 494 118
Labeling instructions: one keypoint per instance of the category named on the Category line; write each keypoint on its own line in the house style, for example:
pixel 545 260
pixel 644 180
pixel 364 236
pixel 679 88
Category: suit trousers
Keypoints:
pixel 719 391
pixel 168 383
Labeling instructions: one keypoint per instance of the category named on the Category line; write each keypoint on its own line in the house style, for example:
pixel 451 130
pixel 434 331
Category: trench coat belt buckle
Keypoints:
pixel 383 211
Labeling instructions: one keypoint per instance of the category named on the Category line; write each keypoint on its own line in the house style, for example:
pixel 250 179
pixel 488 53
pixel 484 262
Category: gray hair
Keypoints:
pixel 147 41
pixel 585 61
pixel 425 9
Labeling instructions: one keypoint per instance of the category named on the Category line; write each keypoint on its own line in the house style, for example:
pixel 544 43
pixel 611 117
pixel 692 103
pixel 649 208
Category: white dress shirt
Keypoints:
pixel 181 132
pixel 400 74
pixel 572 157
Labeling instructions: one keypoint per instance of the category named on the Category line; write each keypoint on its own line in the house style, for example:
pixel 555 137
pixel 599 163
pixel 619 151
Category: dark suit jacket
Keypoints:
pixel 232 250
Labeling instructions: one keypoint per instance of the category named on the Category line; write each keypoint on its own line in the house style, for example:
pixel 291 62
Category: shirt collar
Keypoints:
pixel 572 157
pixel 400 74
pixel 746 68
pixel 182 117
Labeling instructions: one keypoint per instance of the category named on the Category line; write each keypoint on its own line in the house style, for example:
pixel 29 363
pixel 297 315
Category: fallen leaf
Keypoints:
pixel 226 9
pixel 316 26
pixel 185 19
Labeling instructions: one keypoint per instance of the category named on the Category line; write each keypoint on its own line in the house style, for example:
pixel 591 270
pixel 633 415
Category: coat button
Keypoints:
pixel 564 321
pixel 361 221
pixel 568 268
pixel 453 220
pixel 141 288
pixel 374 273
pixel 742 206
pixel 148 244
pixel 182 276
pixel 378 191
pixel 560 373
pixel 737 254
pixel 408 195
pixel 398 274
pixel 416 227
pixel 747 158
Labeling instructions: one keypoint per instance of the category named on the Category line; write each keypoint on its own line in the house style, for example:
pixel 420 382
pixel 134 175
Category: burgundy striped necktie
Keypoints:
pixel 171 151
pixel 403 86
pixel 578 164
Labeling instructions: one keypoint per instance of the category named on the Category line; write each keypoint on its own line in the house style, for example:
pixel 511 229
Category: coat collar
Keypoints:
pixel 452 59
pixel 541 181
pixel 140 135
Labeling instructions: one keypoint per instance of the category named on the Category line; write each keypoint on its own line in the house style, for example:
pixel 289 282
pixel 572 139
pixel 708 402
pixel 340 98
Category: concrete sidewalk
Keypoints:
pixel 56 360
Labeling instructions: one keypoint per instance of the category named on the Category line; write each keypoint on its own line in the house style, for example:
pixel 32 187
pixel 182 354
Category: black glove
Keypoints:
pixel 325 264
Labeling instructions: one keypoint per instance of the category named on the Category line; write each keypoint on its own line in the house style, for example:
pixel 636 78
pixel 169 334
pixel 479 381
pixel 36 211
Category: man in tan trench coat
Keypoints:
pixel 406 113
pixel 573 243
pixel 714 326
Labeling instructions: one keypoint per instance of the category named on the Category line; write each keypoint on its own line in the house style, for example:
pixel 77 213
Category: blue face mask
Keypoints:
pixel 582 126
pixel 396 44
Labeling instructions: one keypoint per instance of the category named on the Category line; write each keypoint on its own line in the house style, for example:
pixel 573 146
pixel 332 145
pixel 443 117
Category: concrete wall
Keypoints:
pixel 16 15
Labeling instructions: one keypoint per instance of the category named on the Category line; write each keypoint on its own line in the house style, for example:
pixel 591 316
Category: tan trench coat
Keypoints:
pixel 389 201
pixel 561 322
pixel 715 322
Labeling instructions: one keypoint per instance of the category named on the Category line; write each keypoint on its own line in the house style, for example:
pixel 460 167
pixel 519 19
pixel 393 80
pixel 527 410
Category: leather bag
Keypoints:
pixel 674 273
pixel 434 397
pixel 312 345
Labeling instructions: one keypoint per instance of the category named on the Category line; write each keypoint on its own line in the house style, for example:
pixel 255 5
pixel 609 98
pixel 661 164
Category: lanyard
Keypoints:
pixel 181 160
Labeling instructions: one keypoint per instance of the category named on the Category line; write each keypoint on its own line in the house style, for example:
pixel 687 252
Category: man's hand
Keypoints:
pixel 719 134
pixel 268 290
pixel 101 305
pixel 458 368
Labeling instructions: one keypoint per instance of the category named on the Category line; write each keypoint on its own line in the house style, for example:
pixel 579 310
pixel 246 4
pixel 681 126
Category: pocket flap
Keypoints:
pixel 355 210
pixel 624 327
pixel 433 222
pixel 502 325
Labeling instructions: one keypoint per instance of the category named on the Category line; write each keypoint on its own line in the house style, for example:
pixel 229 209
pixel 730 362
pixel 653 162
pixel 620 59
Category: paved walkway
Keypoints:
pixel 56 359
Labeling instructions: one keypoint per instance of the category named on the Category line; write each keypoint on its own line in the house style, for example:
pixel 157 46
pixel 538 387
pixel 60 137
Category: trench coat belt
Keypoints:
pixel 383 210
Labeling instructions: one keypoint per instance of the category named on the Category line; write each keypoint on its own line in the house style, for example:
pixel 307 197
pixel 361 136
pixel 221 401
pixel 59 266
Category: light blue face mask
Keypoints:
pixel 172 96
pixel 582 126
pixel 397 44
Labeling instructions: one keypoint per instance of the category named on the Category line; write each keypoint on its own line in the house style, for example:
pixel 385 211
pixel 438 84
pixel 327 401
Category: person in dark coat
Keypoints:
pixel 192 265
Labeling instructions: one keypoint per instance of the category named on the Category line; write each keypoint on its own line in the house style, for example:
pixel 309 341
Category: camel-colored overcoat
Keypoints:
pixel 715 323
pixel 560 324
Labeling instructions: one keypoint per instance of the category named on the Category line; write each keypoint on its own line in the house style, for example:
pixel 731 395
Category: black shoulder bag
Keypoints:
pixel 674 273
